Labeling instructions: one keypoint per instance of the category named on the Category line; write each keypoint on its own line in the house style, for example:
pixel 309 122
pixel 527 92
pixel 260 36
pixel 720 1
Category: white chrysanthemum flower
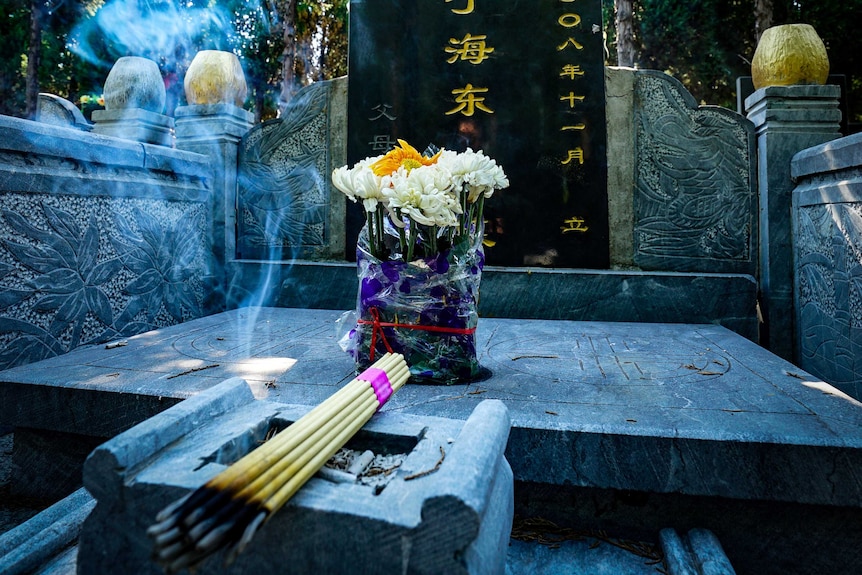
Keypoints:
pixel 475 171
pixel 360 183
pixel 423 195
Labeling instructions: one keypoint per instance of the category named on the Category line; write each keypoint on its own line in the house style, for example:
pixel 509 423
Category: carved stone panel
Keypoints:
pixel 828 274
pixel 284 207
pixel 695 197
pixel 84 271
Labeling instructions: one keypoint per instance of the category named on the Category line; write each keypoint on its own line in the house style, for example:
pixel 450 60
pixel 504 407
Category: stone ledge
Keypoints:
pixel 837 155
pixel 46 536
pixel 528 293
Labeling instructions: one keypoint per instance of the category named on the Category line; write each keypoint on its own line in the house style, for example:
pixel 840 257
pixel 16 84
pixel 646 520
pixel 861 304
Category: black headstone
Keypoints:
pixel 522 81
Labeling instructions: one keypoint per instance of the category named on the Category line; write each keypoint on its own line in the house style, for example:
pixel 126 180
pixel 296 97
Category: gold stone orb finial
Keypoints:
pixel 135 82
pixel 215 77
pixel 789 54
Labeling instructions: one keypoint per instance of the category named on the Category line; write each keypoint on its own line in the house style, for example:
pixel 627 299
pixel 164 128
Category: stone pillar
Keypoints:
pixel 787 119
pixel 215 131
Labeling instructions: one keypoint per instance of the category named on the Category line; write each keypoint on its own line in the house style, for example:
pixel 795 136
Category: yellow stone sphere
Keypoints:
pixel 215 77
pixel 787 55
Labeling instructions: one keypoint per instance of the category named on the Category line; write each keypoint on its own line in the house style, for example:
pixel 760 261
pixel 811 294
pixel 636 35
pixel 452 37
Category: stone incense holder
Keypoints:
pixel 447 508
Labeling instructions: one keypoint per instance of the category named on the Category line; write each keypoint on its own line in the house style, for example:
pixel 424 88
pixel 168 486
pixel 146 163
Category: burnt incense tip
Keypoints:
pixel 214 538
pixel 169 553
pixel 158 528
pixel 167 537
pixel 247 535
pixel 168 511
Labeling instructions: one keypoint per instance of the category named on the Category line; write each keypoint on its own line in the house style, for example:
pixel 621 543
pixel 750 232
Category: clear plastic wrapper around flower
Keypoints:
pixel 425 309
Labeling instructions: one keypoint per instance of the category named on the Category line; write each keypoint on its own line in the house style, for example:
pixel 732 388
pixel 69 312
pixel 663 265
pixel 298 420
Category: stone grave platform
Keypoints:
pixel 634 426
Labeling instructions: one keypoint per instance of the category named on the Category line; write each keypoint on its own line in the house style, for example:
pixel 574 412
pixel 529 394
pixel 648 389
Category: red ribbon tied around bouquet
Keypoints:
pixel 377 329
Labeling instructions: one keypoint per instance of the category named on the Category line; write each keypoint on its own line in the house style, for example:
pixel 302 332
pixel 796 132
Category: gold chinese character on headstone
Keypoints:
pixel 574 224
pixel 572 98
pixel 470 48
pixel 574 155
pixel 569 41
pixel 580 126
pixel 467 10
pixel 571 70
pixel 569 20
pixel 468 101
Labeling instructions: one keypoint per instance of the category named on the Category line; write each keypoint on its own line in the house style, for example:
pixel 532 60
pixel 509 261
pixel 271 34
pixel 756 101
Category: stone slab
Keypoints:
pixel 584 557
pixel 665 408
pixel 837 155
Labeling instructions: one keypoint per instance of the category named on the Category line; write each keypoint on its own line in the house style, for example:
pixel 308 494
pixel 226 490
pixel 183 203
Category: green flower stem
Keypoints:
pixel 462 226
pixel 378 216
pixel 411 241
pixel 372 239
pixel 402 237
pixel 480 208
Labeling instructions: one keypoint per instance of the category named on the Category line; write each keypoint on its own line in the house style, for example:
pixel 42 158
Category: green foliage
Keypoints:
pixel 708 44
pixel 13 54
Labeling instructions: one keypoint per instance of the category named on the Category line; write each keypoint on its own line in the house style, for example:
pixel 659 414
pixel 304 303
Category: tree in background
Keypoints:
pixel 762 17
pixel 624 23
pixel 285 44
pixel 282 44
pixel 708 44
pixel 13 55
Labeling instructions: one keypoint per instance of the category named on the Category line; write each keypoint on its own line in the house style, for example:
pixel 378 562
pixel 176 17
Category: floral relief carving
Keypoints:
pixel 64 283
pixel 829 284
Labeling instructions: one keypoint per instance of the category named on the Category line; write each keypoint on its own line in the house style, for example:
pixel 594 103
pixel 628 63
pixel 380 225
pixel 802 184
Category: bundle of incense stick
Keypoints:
pixel 229 508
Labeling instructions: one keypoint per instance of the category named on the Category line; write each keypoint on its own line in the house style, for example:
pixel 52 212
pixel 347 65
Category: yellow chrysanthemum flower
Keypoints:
pixel 404 156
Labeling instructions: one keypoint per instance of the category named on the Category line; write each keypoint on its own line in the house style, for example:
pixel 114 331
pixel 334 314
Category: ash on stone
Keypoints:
pixel 362 466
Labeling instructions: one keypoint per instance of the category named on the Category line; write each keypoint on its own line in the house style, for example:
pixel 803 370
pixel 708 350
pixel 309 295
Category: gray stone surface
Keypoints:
pixel 827 230
pixel 135 124
pixel 101 238
pixel 619 94
pixel 455 519
pixel 51 109
pixel 695 196
pixel 584 557
pixel 699 552
pixel 46 465
pixel 831 157
pixel 595 295
pixel 692 409
pixel 215 131
pixel 787 119
pixel 583 295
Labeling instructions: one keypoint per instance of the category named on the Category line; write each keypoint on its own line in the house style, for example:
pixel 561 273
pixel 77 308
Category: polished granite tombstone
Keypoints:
pixel 524 82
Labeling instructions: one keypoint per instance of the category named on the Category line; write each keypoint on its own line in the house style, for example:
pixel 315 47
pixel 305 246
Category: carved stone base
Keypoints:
pixel 135 124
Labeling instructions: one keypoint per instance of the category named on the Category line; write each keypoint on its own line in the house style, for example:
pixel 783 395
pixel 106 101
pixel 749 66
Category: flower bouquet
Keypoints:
pixel 419 258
